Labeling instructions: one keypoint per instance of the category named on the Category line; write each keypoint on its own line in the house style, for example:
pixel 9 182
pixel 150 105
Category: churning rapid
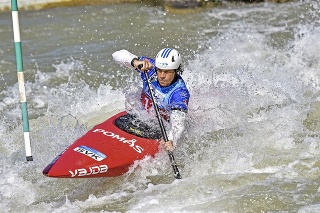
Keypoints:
pixel 253 136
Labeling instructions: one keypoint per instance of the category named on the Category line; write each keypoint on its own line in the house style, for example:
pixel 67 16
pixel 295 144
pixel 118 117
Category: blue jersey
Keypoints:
pixel 173 97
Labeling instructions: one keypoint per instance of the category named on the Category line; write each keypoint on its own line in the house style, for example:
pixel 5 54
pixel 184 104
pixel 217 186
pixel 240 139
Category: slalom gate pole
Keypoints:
pixel 22 92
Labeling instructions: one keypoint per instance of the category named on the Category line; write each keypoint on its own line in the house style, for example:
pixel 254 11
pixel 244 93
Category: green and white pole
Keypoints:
pixel 22 91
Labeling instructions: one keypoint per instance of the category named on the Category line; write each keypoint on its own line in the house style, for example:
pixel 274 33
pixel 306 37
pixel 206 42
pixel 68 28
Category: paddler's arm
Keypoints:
pixel 177 126
pixel 124 57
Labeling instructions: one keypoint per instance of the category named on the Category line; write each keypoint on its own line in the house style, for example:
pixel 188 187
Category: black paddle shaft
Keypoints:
pixel 163 131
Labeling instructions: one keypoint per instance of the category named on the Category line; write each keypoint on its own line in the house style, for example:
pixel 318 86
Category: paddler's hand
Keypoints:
pixel 167 145
pixel 142 65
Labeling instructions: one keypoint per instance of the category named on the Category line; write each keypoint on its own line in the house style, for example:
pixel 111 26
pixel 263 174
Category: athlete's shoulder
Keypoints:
pixel 180 84
pixel 180 91
pixel 179 100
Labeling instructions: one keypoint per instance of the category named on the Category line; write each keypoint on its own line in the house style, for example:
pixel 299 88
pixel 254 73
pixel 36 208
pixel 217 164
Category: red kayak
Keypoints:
pixel 107 150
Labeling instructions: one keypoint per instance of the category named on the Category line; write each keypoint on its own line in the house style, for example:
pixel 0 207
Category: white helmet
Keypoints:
pixel 168 59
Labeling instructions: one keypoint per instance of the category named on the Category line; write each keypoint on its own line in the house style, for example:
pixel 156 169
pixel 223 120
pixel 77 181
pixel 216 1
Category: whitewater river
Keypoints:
pixel 253 139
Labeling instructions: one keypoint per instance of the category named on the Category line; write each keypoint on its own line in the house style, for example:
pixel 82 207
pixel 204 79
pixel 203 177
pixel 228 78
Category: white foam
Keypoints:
pixel 245 145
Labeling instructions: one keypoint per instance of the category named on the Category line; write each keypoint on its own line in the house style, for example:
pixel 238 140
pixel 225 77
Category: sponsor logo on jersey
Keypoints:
pixel 131 143
pixel 90 152
pixel 89 171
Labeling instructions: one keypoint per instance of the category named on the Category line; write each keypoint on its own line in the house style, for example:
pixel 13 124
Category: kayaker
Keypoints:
pixel 169 88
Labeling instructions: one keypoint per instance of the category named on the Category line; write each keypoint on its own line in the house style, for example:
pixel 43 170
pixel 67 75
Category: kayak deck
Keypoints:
pixel 107 150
